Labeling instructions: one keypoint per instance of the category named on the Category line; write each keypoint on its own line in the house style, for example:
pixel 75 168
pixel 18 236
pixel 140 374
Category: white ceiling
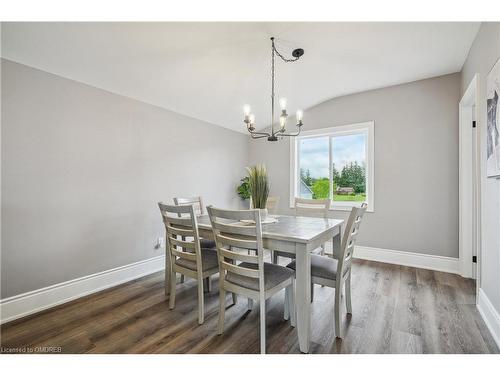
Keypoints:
pixel 209 70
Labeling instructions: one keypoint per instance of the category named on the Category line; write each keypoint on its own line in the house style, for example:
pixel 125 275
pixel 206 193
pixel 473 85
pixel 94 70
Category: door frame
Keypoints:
pixel 469 182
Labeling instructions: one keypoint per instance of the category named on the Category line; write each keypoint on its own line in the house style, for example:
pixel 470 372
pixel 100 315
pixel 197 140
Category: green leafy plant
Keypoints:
pixel 259 185
pixel 243 189
pixel 321 189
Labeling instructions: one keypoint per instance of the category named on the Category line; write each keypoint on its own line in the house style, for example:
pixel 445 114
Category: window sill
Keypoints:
pixel 347 208
pixel 343 208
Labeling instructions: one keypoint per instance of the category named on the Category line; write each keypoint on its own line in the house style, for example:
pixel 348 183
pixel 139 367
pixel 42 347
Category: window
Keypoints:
pixel 334 163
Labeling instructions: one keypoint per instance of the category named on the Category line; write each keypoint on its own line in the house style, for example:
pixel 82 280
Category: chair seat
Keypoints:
pixel 209 260
pixel 207 244
pixel 273 276
pixel 321 266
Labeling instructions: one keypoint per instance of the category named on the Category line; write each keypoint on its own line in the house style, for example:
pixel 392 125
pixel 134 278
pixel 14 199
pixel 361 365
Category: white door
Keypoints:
pixel 468 184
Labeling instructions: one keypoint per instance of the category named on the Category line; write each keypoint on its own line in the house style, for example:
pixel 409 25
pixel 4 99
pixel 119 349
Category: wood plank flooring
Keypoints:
pixel 395 310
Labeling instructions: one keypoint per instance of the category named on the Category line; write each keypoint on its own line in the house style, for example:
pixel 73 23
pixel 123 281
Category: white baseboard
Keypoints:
pixel 490 316
pixel 16 307
pixel 403 258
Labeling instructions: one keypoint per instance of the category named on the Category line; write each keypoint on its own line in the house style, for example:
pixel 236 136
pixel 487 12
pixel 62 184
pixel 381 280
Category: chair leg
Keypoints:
pixel 286 309
pixel 182 276
pixel 173 276
pixel 167 274
pixel 235 297
pixel 207 284
pixel 222 309
pixel 249 304
pixel 322 253
pixel 275 257
pixel 262 326
pixel 291 308
pixel 201 309
pixel 337 311
pixel 290 304
pixel 348 294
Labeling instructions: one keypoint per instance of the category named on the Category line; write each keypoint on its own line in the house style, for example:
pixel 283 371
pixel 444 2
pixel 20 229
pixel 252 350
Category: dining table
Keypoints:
pixel 300 236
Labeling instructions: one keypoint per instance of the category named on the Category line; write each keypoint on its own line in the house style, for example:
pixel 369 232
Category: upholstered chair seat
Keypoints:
pixel 273 276
pixel 322 266
pixel 209 260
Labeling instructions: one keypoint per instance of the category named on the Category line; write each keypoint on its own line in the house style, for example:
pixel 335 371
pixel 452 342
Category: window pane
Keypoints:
pixel 313 166
pixel 349 168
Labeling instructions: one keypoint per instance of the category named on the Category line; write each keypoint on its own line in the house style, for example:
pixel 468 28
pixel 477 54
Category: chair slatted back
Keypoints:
pixel 231 235
pixel 180 223
pixel 350 236
pixel 312 207
pixel 197 202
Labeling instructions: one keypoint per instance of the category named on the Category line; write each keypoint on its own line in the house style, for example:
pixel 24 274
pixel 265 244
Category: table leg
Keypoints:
pixel 303 298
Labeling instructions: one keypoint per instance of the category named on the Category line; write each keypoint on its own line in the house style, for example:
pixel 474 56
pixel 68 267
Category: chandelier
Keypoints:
pixel 277 134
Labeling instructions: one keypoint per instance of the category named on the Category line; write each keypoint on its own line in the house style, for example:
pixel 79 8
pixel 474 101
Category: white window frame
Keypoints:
pixel 369 129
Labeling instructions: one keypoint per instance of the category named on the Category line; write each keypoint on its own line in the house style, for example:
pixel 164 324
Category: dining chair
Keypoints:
pixel 252 278
pixel 336 273
pixel 197 203
pixel 186 256
pixel 307 207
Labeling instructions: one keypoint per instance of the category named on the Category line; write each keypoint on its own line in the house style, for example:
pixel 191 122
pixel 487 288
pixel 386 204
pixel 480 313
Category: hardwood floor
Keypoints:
pixel 395 310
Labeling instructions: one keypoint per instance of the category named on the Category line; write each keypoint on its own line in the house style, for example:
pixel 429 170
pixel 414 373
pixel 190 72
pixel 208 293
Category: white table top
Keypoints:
pixel 289 228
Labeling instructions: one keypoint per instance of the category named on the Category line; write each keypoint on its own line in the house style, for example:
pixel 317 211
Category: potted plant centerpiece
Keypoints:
pixel 259 188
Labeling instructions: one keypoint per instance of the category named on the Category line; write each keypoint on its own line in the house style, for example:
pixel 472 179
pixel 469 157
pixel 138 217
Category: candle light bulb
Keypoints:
pixel 299 115
pixel 246 110
pixel 283 103
pixel 282 122
pixel 252 119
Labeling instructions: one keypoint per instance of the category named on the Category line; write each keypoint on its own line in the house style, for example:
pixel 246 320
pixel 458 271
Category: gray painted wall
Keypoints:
pixel 416 162
pixel 82 172
pixel 483 54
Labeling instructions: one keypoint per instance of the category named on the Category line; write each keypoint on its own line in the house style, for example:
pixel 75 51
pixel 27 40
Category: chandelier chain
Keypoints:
pixel 283 57
pixel 273 51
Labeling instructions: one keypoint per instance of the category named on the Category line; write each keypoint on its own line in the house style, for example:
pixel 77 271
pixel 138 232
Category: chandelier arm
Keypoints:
pixel 260 136
pixel 290 134
pixel 259 133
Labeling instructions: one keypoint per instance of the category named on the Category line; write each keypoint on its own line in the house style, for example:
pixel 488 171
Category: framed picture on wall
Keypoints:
pixel 493 122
